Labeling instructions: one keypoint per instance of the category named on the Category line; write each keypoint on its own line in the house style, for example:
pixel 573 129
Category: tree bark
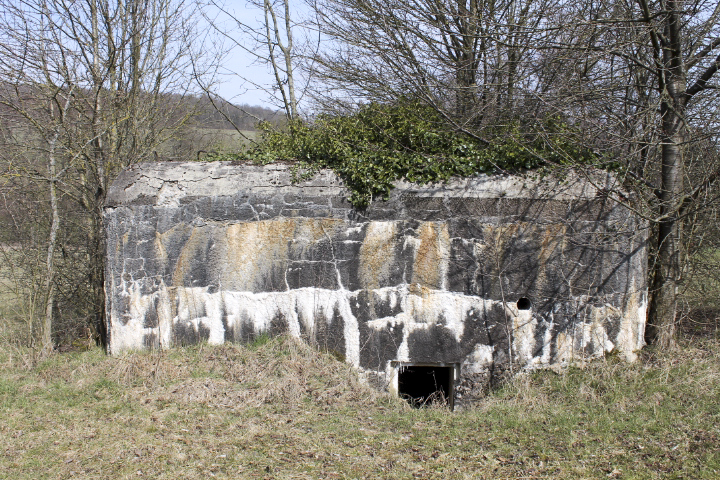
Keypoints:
pixel 666 275
pixel 47 342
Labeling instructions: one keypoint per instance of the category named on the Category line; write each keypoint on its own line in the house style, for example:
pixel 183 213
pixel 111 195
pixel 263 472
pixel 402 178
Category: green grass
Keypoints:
pixel 282 410
pixel 228 140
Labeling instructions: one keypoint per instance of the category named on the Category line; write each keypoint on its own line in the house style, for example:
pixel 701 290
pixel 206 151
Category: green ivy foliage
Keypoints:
pixel 380 144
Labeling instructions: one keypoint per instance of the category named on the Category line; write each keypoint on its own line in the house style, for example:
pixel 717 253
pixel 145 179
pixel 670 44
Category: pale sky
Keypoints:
pixel 238 63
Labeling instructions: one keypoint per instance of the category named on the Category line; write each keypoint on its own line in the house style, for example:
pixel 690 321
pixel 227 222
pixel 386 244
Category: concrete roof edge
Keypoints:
pixel 167 182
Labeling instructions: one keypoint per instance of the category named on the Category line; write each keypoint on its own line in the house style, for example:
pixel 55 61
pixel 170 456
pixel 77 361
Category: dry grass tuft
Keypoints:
pixel 281 409
pixel 284 370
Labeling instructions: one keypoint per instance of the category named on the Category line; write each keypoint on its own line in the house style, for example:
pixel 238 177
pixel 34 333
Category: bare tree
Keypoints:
pixel 86 85
pixel 270 41
pixel 470 59
pixel 639 81
pixel 635 78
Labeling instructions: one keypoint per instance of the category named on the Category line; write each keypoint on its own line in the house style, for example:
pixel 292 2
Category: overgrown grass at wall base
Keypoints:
pixel 379 144
pixel 283 410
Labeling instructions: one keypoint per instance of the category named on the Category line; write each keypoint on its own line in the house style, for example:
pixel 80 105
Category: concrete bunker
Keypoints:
pixel 485 276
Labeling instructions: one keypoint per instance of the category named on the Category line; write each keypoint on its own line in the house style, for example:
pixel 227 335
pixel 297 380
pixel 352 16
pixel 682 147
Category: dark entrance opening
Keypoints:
pixel 423 385
pixel 524 304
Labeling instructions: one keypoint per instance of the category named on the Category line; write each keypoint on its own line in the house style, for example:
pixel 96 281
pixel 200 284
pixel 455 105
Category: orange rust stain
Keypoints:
pixel 247 253
pixel 377 254
pixel 431 256
pixel 160 250
pixel 553 238
pixel 244 255
pixel 190 250
pixel 503 233
pixel 309 231
pixel 420 290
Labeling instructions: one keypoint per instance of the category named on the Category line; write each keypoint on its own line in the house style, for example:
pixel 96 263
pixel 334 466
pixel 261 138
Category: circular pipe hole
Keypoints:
pixel 524 304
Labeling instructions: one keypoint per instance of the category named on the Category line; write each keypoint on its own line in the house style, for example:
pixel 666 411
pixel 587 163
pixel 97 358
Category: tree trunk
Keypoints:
pixel 97 279
pixel 273 37
pixel 47 342
pixel 465 96
pixel 662 313
pixel 663 305
pixel 666 273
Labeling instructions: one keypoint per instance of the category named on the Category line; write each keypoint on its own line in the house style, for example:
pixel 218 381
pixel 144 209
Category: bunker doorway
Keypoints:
pixel 423 385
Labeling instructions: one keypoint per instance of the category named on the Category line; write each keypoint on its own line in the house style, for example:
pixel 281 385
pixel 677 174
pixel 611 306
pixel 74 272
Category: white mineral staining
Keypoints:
pixel 479 360
pixel 422 308
pixel 595 333
pixel 128 329
pixel 588 336
pixel 632 325
pixel 524 326
pixel 419 309
pixel 545 357
pixel 201 310
pixel 169 194
pixel 198 308
pixel 165 317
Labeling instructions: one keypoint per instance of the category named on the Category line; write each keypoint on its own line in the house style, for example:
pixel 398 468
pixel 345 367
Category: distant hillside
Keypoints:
pixel 216 114
pixel 225 115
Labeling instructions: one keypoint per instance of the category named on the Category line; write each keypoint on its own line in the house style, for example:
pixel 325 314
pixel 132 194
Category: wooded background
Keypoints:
pixel 88 88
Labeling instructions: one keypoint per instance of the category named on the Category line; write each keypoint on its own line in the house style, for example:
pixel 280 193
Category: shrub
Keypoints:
pixel 381 143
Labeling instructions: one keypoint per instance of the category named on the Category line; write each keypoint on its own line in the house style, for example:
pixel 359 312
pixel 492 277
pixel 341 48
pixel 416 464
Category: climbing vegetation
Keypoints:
pixel 381 143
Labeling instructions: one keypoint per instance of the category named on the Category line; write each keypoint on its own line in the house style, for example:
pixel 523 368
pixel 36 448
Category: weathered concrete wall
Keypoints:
pixel 222 252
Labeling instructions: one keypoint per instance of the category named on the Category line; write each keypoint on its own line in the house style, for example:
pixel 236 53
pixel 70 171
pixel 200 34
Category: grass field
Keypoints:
pixel 225 140
pixel 196 143
pixel 282 410
pixel 230 138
